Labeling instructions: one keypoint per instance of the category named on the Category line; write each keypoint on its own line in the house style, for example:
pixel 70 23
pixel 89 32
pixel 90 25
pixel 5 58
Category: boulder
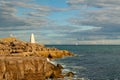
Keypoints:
pixel 69 74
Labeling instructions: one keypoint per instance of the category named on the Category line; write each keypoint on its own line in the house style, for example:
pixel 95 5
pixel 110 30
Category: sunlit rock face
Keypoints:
pixel 27 68
pixel 21 60
pixel 21 48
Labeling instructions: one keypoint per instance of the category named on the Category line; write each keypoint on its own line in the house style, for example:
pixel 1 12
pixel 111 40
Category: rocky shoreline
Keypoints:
pixel 21 60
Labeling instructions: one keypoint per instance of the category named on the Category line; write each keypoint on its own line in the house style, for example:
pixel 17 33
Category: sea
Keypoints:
pixel 93 62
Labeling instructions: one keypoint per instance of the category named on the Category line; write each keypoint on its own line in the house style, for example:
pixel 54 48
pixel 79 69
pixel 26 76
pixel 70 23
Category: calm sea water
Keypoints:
pixel 93 62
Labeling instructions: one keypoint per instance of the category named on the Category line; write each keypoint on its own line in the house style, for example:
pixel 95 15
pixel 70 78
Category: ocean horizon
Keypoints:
pixel 82 45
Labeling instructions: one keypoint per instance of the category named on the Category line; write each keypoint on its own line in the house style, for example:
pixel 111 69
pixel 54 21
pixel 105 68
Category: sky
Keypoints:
pixel 62 21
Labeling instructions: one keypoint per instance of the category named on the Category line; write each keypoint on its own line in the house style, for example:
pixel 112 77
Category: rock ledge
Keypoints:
pixel 28 61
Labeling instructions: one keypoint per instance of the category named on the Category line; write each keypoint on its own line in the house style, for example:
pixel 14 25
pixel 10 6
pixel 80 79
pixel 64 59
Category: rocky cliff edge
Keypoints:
pixel 27 61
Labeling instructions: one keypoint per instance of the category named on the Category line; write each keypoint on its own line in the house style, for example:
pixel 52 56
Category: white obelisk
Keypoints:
pixel 32 38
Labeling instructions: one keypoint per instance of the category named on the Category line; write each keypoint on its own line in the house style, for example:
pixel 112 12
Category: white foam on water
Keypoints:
pixel 78 67
pixel 66 70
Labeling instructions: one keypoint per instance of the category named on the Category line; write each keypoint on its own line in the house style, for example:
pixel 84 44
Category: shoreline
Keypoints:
pixel 32 58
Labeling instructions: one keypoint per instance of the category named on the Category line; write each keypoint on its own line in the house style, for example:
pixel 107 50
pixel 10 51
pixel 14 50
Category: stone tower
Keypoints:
pixel 32 38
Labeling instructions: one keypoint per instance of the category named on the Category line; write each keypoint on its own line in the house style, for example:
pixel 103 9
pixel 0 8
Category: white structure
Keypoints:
pixel 32 38
pixel 11 35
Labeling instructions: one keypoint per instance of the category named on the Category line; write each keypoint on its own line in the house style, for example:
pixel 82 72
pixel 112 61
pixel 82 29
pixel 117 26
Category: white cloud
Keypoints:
pixel 95 3
pixel 103 14
pixel 9 14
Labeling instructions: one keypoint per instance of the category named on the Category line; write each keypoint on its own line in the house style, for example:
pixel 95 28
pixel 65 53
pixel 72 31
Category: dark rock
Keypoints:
pixel 59 66
pixel 69 74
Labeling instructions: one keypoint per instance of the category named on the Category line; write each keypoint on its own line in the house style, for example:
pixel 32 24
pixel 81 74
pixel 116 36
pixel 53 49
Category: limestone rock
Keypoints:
pixel 27 68
pixel 21 60
pixel 13 46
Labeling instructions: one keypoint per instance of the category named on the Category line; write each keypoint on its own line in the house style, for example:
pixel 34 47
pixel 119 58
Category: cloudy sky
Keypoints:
pixel 62 21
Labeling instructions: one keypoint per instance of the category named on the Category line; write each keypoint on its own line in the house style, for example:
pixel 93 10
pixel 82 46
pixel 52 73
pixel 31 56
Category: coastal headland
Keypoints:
pixel 21 60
